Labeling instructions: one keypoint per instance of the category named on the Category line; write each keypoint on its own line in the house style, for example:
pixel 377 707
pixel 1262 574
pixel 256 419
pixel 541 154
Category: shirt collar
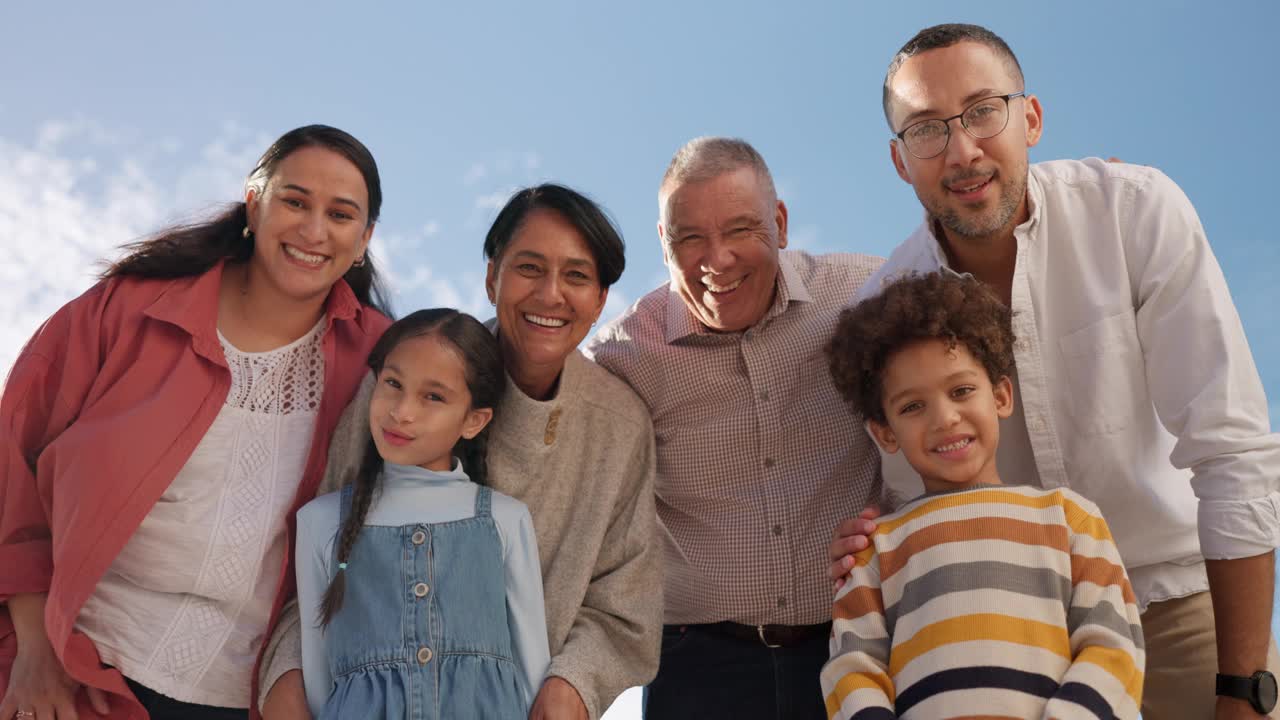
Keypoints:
pixel 191 303
pixel 681 322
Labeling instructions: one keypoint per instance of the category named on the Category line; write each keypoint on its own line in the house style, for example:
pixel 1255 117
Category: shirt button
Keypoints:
pixel 782 602
pixel 418 538
pixel 768 462
pixel 764 396
pixel 1037 424
pixel 777 529
pixel 424 655
pixel 421 589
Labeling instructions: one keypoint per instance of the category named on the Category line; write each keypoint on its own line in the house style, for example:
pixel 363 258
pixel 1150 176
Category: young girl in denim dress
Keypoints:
pixel 419 587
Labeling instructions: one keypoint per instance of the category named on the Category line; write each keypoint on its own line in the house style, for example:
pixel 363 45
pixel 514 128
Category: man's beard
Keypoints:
pixel 986 223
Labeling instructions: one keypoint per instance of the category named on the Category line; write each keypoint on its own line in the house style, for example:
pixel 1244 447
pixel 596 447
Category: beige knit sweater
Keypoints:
pixel 584 464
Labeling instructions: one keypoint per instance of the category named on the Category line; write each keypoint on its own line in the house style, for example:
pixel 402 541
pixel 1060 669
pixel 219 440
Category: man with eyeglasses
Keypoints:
pixel 1134 385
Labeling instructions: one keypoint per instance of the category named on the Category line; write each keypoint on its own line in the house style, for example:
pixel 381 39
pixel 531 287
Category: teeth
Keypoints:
pixel 971 188
pixel 959 444
pixel 545 321
pixel 722 288
pixel 307 258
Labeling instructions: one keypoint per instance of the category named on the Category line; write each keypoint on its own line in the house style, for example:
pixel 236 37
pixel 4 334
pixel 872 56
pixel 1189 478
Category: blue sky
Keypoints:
pixel 117 118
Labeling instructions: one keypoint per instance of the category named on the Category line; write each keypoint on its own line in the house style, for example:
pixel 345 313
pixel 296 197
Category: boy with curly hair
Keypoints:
pixel 975 599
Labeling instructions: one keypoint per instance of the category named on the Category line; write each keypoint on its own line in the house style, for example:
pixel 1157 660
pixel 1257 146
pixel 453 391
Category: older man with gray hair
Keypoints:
pixel 758 458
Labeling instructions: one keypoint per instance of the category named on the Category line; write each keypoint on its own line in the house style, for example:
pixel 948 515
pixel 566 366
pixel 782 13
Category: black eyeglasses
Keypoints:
pixel 983 119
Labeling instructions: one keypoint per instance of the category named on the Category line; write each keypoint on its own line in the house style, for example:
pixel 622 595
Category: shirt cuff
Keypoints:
pixel 1233 529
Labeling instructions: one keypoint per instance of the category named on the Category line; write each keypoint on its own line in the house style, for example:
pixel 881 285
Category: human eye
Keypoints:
pixel 292 202
pixel 528 269
pixel 435 397
pixel 927 130
pixel 341 215
pixel 910 407
pixel 963 391
pixel 391 382
pixel 984 111
pixel 579 277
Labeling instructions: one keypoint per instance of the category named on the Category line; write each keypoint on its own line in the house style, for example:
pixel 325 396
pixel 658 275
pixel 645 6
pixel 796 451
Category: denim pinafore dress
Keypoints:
pixel 423 631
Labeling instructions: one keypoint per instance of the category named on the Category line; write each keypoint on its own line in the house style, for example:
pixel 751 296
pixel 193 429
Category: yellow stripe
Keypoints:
pixel 1085 522
pixel 854 682
pixel 981 626
pixel 1117 663
pixel 1008 497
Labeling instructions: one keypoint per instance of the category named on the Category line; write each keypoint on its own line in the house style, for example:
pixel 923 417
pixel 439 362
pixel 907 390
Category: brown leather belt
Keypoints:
pixel 773 636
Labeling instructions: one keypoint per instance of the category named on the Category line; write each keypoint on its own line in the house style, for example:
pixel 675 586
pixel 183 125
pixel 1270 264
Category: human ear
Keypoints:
pixel 883 435
pixel 490 282
pixel 895 153
pixel 1003 391
pixel 780 217
pixel 477 419
pixel 1034 115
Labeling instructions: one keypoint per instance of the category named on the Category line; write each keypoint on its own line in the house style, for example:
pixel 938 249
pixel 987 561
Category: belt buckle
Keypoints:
pixel 760 632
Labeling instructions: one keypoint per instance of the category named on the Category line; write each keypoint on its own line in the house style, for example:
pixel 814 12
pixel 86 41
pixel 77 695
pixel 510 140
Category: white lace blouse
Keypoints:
pixel 183 608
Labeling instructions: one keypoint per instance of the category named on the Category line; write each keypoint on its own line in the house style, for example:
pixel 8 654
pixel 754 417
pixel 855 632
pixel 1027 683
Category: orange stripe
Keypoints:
pixel 853 682
pixel 981 626
pixel 1008 497
pixel 1102 573
pixel 1022 532
pixel 857 602
pixel 1119 664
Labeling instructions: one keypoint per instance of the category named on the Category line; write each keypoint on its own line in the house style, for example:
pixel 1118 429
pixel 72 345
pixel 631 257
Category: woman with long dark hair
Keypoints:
pixel 158 433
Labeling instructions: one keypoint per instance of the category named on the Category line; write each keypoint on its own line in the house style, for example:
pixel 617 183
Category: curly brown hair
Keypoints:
pixel 957 309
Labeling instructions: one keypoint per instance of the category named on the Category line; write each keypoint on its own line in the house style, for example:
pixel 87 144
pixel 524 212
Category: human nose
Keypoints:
pixel 962 148
pixel 549 290
pixel 402 410
pixel 946 415
pixel 312 226
pixel 719 256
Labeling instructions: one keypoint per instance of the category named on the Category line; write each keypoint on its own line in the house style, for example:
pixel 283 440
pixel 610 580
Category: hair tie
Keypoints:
pixel 342 566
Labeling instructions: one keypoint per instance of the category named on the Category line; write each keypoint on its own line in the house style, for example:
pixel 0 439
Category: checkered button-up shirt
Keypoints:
pixel 758 457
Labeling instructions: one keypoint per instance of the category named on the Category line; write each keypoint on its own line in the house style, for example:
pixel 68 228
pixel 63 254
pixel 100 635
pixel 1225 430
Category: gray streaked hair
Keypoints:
pixel 707 157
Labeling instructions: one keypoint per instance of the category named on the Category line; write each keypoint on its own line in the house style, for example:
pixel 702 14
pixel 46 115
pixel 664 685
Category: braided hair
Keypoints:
pixel 486 380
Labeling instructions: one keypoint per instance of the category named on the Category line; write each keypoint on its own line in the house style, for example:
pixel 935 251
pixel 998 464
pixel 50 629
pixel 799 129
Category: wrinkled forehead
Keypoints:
pixel 710 200
pixel 945 80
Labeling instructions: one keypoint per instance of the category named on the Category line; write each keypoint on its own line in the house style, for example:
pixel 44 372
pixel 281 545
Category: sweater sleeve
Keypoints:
pixel 855 681
pixel 346 449
pixel 615 638
pixel 526 611
pixel 42 396
pixel 1105 676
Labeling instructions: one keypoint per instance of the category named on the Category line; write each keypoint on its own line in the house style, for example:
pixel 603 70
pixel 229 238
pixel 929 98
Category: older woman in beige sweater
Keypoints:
pixel 569 440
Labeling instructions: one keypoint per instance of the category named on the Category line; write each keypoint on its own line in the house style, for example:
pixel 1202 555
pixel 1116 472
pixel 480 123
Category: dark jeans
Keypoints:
pixel 706 675
pixel 160 707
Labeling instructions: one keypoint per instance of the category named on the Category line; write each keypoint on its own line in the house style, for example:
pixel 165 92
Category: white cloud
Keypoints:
pixel 494 200
pixel 431 229
pixel 71 197
pixel 475 174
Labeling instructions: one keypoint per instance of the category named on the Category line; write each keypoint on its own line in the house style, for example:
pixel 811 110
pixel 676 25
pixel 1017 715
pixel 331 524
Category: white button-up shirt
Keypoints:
pixel 1137 385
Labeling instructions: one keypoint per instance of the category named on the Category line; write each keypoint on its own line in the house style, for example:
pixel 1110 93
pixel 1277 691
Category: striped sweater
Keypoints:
pixel 994 601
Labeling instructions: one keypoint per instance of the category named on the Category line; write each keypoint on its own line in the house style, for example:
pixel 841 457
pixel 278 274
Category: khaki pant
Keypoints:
pixel 1182 659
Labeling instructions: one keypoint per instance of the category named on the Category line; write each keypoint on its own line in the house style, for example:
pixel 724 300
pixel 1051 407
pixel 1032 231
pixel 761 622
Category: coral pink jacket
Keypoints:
pixel 101 410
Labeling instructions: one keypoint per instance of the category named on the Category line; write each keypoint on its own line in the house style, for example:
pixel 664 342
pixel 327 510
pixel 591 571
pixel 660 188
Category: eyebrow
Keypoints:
pixel 431 383
pixel 573 261
pixel 305 191
pixel 966 102
pixel 953 377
